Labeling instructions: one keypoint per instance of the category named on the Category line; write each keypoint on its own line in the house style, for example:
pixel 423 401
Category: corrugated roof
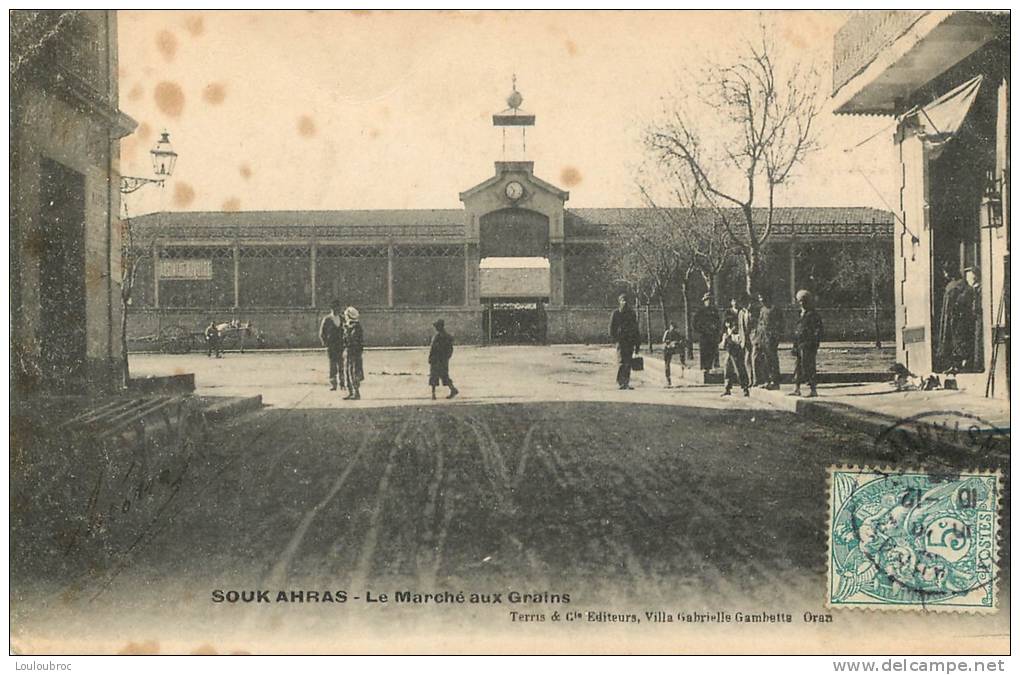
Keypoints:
pixel 577 222
pixel 580 222
pixel 361 217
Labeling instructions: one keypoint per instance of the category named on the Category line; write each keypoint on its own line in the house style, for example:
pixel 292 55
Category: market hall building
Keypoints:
pixel 536 267
pixel 514 264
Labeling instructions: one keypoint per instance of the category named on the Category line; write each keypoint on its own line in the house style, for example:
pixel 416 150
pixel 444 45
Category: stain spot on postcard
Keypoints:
pixel 245 171
pixel 570 176
pixel 306 126
pixel 140 648
pixel 135 93
pixel 571 47
pixel 166 42
pixel 232 204
pixel 204 650
pixel 184 194
pixel 169 98
pixel 195 25
pixel 214 93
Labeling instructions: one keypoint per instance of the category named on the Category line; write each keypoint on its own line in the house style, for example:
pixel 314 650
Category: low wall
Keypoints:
pixel 404 326
pixel 295 328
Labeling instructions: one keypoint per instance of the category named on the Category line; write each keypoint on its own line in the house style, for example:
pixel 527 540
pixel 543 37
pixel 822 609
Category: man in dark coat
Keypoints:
pixel 331 335
pixel 440 352
pixel 970 319
pixel 708 329
pixel 807 335
pixel 953 330
pixel 766 341
pixel 623 328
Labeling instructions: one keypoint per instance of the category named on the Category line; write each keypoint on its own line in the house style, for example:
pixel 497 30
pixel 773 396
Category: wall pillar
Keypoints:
pixel 914 336
pixel 237 275
pixel 557 272
pixel 389 275
pixel 793 272
pixel 311 262
pixel 472 293
pixel 155 275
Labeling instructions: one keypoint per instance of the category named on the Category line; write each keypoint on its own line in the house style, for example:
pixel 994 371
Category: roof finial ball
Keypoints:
pixel 515 99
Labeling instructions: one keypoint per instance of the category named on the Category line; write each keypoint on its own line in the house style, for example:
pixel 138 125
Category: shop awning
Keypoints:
pixel 514 277
pixel 940 120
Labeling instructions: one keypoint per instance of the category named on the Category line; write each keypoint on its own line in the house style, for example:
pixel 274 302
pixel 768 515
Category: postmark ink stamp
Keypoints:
pixel 913 539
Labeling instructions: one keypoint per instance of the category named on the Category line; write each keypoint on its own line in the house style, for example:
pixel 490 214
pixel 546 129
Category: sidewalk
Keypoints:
pixel 923 420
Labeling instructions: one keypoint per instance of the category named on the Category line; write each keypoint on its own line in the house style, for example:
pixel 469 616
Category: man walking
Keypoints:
pixel 673 343
pixel 331 335
pixel 440 352
pixel 623 328
pixel 706 325
pixel 807 335
pixel 770 331
pixel 354 343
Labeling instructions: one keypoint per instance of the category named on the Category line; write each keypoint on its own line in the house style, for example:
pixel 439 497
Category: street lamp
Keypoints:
pixel 163 161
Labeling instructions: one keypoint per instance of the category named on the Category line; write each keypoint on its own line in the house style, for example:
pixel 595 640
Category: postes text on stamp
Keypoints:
pixel 913 539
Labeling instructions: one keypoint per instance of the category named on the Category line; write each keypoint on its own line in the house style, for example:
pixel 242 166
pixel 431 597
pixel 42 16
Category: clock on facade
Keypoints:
pixel 514 191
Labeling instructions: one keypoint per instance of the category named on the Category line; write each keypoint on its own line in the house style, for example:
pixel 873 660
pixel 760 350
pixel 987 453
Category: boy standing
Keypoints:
pixel 440 352
pixel 331 335
pixel 212 339
pixel 354 342
pixel 672 343
pixel 733 354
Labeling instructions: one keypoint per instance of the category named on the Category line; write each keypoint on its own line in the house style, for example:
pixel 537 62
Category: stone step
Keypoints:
pixel 182 383
pixel 218 409
pixel 715 376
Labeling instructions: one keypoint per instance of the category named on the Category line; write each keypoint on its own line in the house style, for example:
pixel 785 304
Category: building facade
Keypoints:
pixel 513 265
pixel 944 78
pixel 64 230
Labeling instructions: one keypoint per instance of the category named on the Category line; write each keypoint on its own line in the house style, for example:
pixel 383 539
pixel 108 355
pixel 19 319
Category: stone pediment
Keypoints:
pixel 507 172
pixel 515 186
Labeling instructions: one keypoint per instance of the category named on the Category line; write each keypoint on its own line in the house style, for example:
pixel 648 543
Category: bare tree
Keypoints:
pixel 871 268
pixel 131 259
pixel 756 126
pixel 695 239
pixel 133 252
pixel 641 258
pixel 667 247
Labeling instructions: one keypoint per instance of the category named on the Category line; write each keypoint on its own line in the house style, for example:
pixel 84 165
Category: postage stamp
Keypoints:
pixel 913 539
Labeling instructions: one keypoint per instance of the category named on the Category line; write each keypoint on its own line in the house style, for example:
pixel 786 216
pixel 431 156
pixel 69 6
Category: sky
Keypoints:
pixel 363 110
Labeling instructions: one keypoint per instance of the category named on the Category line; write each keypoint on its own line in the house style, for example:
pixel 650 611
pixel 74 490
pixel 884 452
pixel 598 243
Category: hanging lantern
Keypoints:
pixel 163 156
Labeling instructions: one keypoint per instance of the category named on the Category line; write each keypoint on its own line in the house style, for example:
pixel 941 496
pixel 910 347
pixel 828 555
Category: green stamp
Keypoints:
pixel 913 540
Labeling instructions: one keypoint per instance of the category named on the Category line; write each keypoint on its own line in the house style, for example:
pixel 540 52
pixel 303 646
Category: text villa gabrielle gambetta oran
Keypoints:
pixel 396 597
